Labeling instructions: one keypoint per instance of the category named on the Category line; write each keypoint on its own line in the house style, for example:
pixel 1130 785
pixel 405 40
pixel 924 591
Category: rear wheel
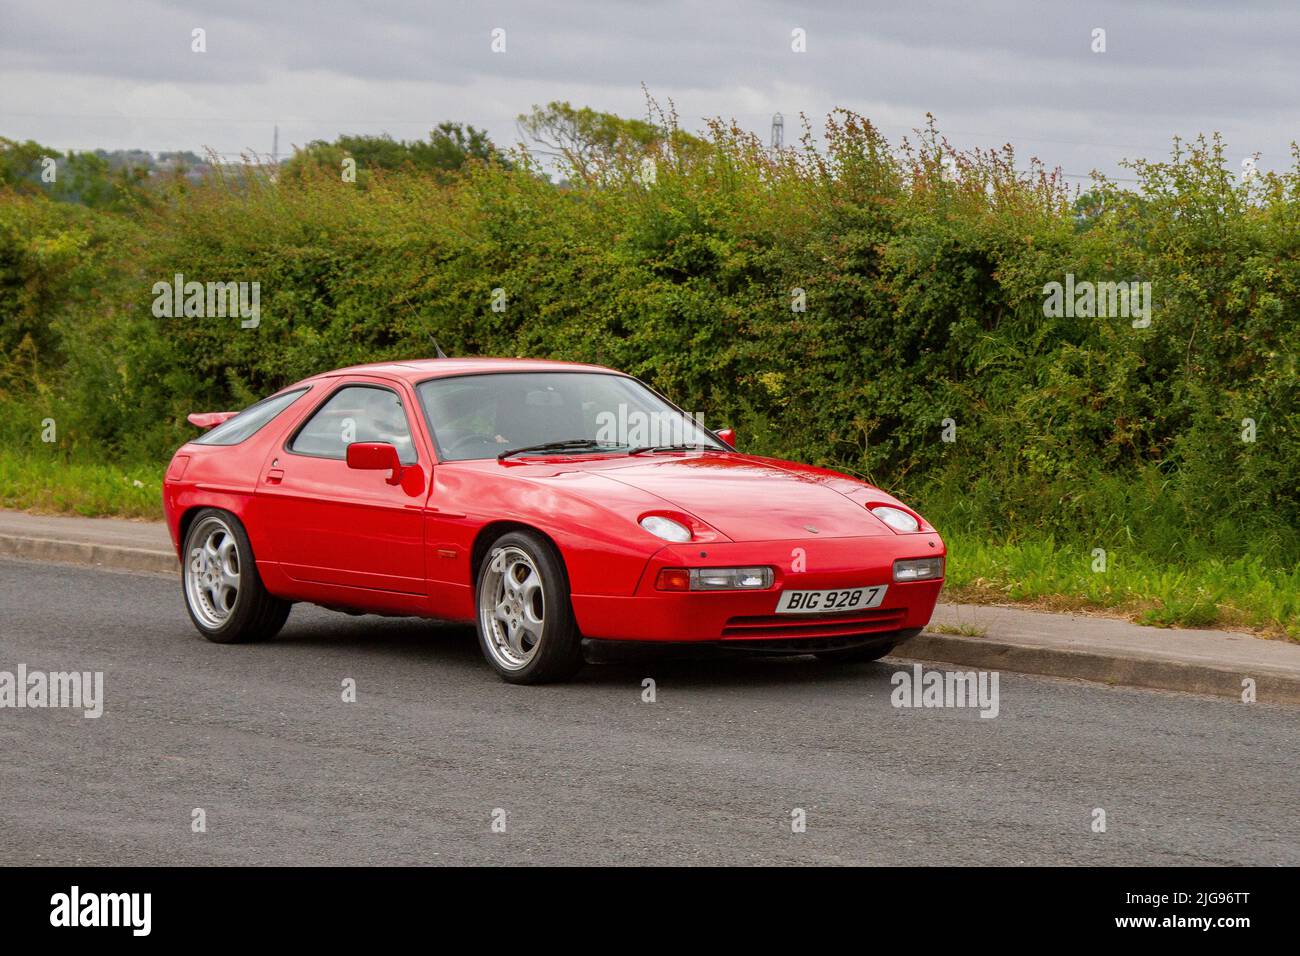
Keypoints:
pixel 526 627
pixel 223 592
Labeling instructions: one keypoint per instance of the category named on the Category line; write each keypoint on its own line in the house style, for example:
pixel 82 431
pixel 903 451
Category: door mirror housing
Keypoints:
pixel 728 435
pixel 376 456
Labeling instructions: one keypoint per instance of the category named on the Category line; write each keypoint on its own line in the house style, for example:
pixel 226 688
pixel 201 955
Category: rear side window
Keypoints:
pixel 248 422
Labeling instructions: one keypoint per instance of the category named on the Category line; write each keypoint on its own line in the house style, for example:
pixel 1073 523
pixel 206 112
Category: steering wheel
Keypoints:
pixel 471 442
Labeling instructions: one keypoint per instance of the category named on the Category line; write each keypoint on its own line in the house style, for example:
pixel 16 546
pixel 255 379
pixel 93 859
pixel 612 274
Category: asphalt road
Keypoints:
pixel 260 738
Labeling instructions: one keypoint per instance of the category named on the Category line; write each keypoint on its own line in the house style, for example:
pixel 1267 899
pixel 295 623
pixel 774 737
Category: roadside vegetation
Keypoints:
pixel 873 307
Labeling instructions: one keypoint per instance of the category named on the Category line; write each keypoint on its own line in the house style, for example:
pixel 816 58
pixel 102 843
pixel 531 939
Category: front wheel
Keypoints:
pixel 224 593
pixel 526 627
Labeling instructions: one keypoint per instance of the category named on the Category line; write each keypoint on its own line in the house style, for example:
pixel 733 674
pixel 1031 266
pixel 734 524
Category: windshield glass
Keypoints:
pixel 481 416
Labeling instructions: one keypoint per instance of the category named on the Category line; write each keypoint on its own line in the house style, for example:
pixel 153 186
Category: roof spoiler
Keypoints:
pixel 208 419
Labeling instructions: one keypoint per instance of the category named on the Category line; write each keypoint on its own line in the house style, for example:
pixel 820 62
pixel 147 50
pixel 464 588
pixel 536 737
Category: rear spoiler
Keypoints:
pixel 209 419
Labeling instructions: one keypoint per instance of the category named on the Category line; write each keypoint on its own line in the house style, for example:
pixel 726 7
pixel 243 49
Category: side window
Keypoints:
pixel 251 420
pixel 356 413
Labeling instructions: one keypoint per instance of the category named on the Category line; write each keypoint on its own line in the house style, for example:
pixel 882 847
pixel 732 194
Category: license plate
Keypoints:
pixel 828 602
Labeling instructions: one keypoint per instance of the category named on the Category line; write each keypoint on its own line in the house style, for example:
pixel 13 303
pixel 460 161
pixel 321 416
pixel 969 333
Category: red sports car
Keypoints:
pixel 559 507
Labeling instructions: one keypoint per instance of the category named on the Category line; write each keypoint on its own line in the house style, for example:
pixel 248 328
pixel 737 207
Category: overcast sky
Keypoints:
pixel 80 74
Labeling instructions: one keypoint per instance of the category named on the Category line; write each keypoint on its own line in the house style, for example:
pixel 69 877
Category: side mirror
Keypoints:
pixel 376 456
pixel 728 435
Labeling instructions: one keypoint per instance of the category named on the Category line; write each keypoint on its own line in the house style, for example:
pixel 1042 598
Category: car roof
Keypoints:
pixel 417 370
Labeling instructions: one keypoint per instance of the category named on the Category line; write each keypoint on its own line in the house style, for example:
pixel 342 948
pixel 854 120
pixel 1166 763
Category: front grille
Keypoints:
pixel 770 626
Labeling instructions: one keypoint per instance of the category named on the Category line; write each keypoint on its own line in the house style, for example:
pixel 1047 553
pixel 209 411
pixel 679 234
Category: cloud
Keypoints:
pixel 82 74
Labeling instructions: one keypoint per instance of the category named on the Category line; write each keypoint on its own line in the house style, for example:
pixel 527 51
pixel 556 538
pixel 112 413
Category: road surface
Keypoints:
pixel 417 768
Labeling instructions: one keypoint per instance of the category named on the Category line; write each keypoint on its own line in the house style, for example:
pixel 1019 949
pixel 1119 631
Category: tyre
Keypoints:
pixel 224 594
pixel 526 627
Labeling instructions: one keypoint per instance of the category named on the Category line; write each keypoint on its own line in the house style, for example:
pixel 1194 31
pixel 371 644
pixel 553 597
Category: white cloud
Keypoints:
pixel 84 74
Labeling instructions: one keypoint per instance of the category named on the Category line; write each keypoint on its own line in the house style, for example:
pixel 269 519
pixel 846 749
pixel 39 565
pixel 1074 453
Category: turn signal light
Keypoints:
pixel 674 579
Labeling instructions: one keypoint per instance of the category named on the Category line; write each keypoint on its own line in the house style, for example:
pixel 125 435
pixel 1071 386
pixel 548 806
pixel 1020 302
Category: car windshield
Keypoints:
pixel 486 415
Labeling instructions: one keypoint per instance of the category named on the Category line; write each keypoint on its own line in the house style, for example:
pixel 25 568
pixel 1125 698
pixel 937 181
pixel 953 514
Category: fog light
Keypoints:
pixel 714 579
pixel 730 579
pixel 918 569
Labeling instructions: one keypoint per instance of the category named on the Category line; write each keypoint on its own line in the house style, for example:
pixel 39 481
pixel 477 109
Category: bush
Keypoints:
pixel 922 272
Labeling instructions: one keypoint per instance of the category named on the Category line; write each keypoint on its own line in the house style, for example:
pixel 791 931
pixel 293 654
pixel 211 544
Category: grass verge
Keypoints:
pixel 1166 591
pixel 51 485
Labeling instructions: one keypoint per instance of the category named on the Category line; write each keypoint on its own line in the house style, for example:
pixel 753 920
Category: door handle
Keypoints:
pixel 274 476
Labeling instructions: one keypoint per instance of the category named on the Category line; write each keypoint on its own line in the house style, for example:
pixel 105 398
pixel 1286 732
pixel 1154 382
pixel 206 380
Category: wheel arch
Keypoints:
pixel 495 529
pixel 232 505
pixel 186 520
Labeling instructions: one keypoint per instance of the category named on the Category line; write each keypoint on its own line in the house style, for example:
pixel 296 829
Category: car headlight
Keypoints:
pixel 714 579
pixel 896 518
pixel 918 569
pixel 666 528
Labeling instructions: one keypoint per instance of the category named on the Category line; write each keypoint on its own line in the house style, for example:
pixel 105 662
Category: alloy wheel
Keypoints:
pixel 212 572
pixel 512 607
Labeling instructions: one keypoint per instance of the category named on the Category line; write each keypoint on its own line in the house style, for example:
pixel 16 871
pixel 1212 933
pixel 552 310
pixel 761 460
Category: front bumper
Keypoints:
pixel 750 616
pixel 602 651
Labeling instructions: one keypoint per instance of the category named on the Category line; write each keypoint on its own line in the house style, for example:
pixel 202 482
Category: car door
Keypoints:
pixel 340 526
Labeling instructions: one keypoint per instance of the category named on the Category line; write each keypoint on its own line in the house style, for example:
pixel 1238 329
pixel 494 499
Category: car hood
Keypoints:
pixel 752 499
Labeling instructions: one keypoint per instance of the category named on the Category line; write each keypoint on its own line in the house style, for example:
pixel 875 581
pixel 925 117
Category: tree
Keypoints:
pixel 20 164
pixel 583 141
pixel 449 148
pixel 99 180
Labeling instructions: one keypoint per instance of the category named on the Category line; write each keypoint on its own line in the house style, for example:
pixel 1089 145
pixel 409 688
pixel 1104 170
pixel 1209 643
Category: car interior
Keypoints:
pixel 359 413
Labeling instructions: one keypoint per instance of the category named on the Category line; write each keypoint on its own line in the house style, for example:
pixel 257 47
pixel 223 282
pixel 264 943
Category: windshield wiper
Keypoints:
pixel 696 446
pixel 572 444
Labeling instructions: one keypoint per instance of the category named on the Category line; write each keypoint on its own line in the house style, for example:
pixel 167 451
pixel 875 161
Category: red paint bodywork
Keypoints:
pixel 329 534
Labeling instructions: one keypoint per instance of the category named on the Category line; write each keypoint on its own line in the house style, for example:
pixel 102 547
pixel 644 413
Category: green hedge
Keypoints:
pixel 923 280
